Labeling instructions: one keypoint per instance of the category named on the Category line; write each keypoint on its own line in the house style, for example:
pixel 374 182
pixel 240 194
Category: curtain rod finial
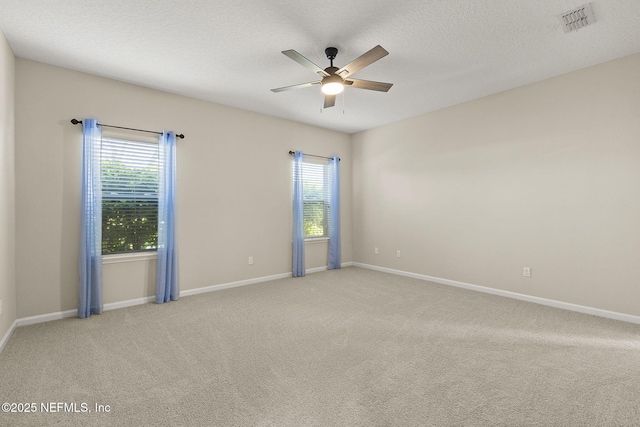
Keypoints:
pixel 75 122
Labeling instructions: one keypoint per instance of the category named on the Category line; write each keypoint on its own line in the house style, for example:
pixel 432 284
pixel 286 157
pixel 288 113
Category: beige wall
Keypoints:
pixel 7 187
pixel 234 184
pixel 545 176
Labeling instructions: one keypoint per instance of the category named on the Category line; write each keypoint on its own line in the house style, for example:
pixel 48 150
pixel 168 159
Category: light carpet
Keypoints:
pixel 350 347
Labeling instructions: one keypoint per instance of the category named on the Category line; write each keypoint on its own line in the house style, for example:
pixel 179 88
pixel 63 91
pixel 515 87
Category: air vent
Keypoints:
pixel 577 18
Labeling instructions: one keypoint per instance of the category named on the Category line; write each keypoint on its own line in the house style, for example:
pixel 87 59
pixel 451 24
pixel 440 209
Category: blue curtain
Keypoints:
pixel 167 271
pixel 90 292
pixel 298 217
pixel 334 214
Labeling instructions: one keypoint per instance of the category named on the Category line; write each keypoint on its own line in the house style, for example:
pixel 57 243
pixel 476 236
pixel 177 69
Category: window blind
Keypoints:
pixel 316 199
pixel 129 195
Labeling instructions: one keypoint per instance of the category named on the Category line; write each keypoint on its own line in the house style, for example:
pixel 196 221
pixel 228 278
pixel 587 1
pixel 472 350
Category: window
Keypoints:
pixel 316 199
pixel 129 196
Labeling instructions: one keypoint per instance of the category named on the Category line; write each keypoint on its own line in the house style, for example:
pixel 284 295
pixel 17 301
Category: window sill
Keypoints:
pixel 137 256
pixel 316 240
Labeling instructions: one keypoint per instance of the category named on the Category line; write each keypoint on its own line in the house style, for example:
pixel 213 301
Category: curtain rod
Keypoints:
pixel 314 155
pixel 75 122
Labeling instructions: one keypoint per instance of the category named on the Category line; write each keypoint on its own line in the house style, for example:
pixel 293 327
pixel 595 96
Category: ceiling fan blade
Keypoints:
pixel 362 61
pixel 305 62
pixel 329 101
pixel 367 84
pixel 298 86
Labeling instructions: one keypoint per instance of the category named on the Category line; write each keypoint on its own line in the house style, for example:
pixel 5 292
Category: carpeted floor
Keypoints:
pixel 352 347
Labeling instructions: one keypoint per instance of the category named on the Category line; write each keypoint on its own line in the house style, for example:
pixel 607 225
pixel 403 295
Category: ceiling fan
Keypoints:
pixel 333 79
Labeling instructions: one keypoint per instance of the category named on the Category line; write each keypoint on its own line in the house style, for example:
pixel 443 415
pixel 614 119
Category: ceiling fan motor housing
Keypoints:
pixel 333 78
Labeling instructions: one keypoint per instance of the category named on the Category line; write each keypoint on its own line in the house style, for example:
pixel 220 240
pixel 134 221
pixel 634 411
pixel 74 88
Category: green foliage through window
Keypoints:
pixel 129 196
pixel 314 219
pixel 315 196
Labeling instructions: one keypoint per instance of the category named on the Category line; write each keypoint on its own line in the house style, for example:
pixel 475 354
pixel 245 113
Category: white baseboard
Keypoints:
pixel 233 284
pixel 515 295
pixel 31 320
pixel 138 301
pixel 46 317
pixel 8 334
pixel 324 268
pixel 128 303
pixel 253 281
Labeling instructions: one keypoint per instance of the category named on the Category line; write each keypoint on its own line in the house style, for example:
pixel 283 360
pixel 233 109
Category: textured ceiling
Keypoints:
pixel 441 52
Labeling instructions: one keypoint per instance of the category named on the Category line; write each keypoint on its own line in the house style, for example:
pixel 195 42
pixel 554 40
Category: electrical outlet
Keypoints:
pixel 526 271
pixel 250 260
pixel 398 253
pixel 375 250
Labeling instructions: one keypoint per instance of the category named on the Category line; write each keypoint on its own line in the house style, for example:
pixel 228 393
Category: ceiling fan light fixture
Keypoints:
pixel 332 85
pixel 332 88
